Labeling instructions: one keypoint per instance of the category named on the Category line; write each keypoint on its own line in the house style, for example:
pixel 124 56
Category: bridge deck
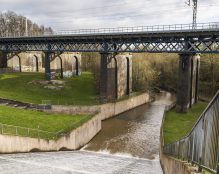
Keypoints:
pixel 204 39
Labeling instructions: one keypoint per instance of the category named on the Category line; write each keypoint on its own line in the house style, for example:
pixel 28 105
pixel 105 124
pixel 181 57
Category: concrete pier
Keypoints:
pixel 187 91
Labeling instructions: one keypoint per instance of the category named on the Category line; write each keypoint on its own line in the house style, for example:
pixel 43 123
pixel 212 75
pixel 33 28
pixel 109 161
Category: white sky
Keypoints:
pixel 79 14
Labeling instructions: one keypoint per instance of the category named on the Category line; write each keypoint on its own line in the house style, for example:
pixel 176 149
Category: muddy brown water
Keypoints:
pixel 136 132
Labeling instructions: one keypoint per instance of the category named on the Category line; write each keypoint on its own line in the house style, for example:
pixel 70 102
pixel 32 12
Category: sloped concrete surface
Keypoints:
pixel 78 162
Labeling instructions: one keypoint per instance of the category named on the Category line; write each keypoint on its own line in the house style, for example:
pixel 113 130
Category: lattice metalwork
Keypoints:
pixel 172 42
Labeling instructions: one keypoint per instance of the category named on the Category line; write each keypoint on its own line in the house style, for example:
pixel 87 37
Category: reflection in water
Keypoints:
pixel 135 132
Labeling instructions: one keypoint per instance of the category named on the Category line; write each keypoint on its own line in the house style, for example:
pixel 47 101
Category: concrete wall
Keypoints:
pixel 74 140
pixel 173 166
pixel 78 137
pixel 106 110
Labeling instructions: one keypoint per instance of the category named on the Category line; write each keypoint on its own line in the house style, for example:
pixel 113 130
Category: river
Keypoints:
pixel 127 143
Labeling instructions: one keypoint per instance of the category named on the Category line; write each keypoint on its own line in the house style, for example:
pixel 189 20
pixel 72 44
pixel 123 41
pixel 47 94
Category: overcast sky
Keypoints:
pixel 78 14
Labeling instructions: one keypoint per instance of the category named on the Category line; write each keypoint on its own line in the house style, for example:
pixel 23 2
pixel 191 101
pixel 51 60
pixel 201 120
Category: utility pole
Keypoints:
pixel 195 8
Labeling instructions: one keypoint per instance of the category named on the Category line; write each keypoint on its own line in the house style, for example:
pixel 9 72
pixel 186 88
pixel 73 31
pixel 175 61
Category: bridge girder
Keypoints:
pixel 202 42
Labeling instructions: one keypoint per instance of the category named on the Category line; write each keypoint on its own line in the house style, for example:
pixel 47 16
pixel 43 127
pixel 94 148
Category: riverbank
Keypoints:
pixel 174 127
pixel 178 125
pixel 78 137
pixel 33 88
pixel 37 124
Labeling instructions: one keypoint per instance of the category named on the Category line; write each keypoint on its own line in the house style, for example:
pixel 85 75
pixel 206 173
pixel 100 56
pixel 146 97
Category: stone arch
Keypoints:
pixel 191 82
pixel 37 63
pixel 197 80
pixel 116 77
pixel 61 66
pixel 127 76
pixel 76 66
pixel 19 62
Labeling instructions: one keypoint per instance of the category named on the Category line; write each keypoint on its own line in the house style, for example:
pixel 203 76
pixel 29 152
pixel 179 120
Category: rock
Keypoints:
pixel 57 82
pixel 54 87
pixel 39 82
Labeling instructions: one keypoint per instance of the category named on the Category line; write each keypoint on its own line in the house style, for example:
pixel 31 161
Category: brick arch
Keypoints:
pixel 37 62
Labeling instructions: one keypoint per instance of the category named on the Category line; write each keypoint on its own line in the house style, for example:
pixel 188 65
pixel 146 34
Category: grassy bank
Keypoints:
pixel 178 125
pixel 57 124
pixel 77 90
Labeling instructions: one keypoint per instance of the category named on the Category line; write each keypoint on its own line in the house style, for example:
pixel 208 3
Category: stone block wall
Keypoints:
pixel 116 75
pixel 187 92
pixel 124 74
pixel 71 62
pixel 28 62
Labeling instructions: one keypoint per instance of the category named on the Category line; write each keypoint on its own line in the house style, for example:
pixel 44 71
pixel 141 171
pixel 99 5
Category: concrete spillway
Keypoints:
pixel 75 163
pixel 128 143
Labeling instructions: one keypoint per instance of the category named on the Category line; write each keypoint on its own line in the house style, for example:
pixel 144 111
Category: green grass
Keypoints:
pixel 50 122
pixel 78 90
pixel 178 125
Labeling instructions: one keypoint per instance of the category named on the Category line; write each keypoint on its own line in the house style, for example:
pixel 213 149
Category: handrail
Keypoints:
pixel 6 129
pixel 136 29
pixel 201 145
pixel 173 27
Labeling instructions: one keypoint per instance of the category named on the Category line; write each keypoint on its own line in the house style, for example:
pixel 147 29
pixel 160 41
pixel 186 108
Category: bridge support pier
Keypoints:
pixel 116 76
pixel 187 90
pixel 47 66
pixel 4 60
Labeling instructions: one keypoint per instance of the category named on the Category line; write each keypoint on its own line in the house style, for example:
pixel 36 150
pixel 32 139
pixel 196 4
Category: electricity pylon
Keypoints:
pixel 194 5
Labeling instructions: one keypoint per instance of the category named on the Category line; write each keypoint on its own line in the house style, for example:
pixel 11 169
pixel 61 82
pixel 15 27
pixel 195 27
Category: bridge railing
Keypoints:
pixel 155 28
pixel 201 145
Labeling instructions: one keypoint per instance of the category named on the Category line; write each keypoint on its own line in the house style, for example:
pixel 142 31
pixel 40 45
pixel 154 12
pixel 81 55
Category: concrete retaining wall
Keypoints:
pixel 76 139
pixel 174 166
pixel 106 110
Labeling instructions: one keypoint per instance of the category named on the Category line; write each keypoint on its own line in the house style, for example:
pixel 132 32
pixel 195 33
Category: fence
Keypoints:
pixel 27 132
pixel 201 145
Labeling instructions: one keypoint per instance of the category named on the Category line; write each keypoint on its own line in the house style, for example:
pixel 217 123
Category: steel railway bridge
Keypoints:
pixel 183 39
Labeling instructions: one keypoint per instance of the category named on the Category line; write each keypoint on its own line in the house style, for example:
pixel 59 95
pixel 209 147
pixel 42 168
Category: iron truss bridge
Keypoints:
pixel 180 38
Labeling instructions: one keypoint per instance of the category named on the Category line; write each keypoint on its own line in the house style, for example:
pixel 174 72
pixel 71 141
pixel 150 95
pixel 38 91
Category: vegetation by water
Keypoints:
pixel 57 124
pixel 178 125
pixel 77 90
pixel 161 70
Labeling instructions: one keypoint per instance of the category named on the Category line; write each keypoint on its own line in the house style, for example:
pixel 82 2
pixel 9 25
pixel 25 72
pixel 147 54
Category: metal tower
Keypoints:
pixel 195 7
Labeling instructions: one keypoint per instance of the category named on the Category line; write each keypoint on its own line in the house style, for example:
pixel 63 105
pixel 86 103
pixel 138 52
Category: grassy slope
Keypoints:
pixel 78 90
pixel 177 125
pixel 39 120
